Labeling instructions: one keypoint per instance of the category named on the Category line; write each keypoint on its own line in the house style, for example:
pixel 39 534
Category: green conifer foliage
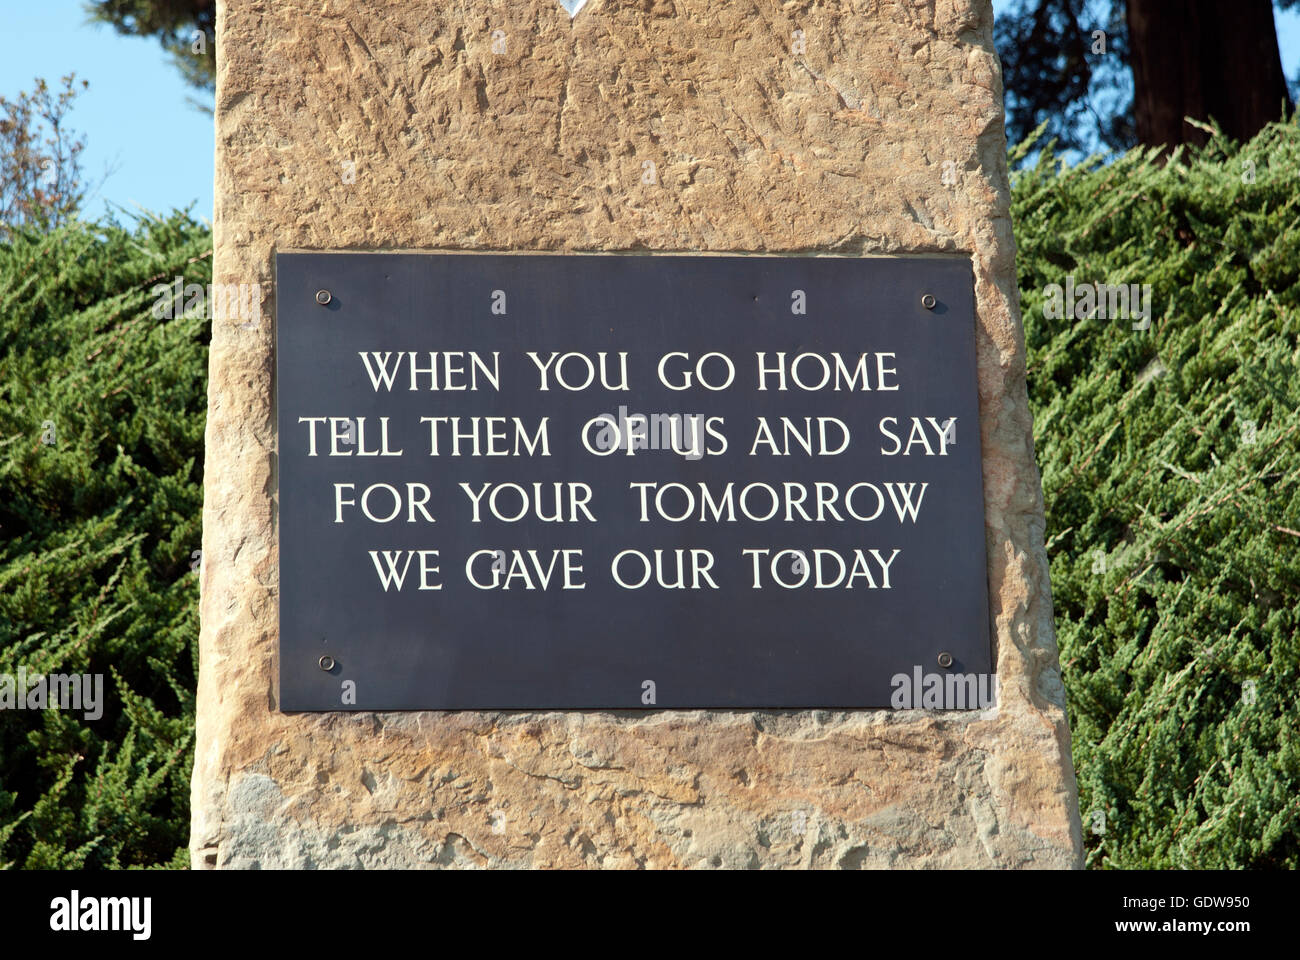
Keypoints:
pixel 101 449
pixel 1171 472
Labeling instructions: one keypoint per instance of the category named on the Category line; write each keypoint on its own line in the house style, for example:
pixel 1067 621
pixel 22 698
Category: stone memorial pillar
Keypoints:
pixel 840 129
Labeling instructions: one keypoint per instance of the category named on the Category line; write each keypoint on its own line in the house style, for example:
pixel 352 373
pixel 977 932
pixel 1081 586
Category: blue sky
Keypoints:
pixel 139 127
pixel 152 145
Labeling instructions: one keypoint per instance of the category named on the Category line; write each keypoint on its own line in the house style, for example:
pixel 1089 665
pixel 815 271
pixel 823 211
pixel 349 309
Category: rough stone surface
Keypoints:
pixel 883 136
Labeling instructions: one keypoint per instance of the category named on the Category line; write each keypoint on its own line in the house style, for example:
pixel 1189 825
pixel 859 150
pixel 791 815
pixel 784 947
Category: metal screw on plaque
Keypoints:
pixel 945 659
pixel 323 297
pixel 327 663
pixel 928 301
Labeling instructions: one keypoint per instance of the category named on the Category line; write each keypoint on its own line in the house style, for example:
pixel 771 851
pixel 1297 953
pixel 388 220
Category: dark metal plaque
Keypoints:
pixel 874 563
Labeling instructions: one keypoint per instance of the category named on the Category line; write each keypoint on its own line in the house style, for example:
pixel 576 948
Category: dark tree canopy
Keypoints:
pixel 1115 73
pixel 187 29
pixel 1051 72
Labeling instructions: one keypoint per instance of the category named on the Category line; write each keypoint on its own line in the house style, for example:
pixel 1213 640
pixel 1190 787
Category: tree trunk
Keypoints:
pixel 1204 59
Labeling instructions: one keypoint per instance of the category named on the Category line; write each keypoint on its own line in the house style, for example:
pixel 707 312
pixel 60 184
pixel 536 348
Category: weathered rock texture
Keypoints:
pixel 880 133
